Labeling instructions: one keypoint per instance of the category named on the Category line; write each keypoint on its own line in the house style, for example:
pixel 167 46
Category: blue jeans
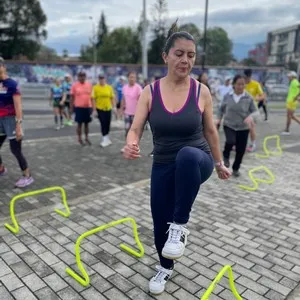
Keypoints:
pixel 174 187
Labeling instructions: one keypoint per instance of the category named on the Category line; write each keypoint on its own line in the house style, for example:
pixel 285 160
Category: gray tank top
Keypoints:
pixel 173 131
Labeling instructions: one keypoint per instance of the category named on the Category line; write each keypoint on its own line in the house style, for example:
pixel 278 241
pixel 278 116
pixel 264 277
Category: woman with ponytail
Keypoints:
pixel 186 149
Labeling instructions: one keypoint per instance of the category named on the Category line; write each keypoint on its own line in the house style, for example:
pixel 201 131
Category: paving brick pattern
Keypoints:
pixel 256 232
pixel 58 160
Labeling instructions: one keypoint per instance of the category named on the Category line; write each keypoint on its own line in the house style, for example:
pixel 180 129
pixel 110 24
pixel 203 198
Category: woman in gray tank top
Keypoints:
pixel 186 150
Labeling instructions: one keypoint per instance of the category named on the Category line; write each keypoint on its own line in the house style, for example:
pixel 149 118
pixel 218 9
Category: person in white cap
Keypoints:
pixel 292 101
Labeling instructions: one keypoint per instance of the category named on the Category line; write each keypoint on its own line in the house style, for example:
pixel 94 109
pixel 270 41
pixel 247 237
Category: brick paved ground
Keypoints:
pixel 258 232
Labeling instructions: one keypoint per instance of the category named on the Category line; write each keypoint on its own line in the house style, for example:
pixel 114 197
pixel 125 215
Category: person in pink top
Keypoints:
pixel 131 94
pixel 82 105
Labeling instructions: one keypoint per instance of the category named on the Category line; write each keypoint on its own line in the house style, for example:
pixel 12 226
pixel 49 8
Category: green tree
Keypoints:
pixel 47 53
pixel 249 62
pixel 102 30
pixel 159 30
pixel 22 28
pixel 86 53
pixel 65 54
pixel 218 47
pixel 122 45
pixel 193 30
pixel 140 26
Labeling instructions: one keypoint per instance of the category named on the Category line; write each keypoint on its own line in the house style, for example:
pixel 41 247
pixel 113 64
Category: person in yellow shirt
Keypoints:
pixel 104 97
pixel 255 90
pixel 292 101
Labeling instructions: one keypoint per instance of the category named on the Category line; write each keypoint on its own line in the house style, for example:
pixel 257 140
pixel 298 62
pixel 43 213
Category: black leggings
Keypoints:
pixel 104 119
pixel 174 187
pixel 239 139
pixel 16 150
pixel 264 106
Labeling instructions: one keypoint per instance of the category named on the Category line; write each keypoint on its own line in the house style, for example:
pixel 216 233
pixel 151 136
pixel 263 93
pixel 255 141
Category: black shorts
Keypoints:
pixel 118 106
pixel 83 115
pixel 56 103
pixel 67 104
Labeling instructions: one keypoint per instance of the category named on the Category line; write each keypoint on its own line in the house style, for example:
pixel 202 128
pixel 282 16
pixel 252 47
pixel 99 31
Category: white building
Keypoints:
pixel 283 45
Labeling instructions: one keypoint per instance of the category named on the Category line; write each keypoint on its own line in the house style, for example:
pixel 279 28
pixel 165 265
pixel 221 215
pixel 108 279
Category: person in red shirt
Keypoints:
pixel 11 124
pixel 82 105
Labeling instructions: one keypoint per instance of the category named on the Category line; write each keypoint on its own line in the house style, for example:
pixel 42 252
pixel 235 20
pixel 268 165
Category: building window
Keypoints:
pixel 283 37
pixel 281 58
pixel 282 49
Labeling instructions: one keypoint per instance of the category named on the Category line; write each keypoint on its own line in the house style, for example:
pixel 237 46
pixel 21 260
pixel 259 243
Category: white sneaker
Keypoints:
pixel 175 245
pixel 158 282
pixel 285 133
pixel 108 140
pixel 57 127
pixel 105 142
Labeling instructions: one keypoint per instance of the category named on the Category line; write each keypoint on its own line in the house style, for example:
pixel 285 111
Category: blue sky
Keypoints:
pixel 69 24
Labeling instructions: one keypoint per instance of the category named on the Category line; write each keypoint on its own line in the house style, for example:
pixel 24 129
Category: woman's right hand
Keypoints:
pixel 131 151
pixel 249 121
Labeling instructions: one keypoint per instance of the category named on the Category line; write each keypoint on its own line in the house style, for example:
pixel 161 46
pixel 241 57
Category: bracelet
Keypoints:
pixel 19 121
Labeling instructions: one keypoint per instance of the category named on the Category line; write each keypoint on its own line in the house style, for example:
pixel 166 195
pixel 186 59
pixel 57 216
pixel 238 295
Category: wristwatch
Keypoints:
pixel 19 121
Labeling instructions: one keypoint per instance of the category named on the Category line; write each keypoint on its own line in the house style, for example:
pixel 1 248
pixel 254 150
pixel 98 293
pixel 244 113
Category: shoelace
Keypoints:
pixel 160 275
pixel 174 234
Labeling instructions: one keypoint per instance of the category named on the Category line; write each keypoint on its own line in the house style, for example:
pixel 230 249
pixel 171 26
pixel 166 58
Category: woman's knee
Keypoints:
pixel 15 146
pixel 188 154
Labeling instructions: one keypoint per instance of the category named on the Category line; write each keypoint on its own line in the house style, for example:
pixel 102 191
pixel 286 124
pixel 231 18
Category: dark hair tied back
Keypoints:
pixel 174 34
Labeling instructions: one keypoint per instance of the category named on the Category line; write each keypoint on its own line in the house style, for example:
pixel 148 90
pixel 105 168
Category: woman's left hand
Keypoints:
pixel 19 132
pixel 223 172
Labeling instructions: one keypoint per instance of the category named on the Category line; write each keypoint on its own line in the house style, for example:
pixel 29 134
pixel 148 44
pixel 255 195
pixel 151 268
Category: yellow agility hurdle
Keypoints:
pixel 256 180
pixel 85 279
pixel 267 151
pixel 15 228
pixel 211 288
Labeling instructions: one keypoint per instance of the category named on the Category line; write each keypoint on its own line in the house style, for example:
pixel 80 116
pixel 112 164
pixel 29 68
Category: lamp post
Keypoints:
pixel 144 43
pixel 94 47
pixel 205 34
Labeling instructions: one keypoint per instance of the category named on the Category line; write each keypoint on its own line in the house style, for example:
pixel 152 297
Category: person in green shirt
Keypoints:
pixel 292 101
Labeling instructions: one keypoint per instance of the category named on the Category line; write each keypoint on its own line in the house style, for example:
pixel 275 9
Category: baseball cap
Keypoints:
pixel 292 74
pixel 228 78
pixel 67 75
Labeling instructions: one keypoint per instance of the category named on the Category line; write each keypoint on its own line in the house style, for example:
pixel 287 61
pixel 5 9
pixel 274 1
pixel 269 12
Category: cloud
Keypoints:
pixel 69 23
pixel 252 24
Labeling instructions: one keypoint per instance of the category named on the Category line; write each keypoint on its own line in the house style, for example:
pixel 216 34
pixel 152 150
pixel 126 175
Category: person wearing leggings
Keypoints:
pixel 186 149
pixel 104 100
pixel 11 125
pixel 240 114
